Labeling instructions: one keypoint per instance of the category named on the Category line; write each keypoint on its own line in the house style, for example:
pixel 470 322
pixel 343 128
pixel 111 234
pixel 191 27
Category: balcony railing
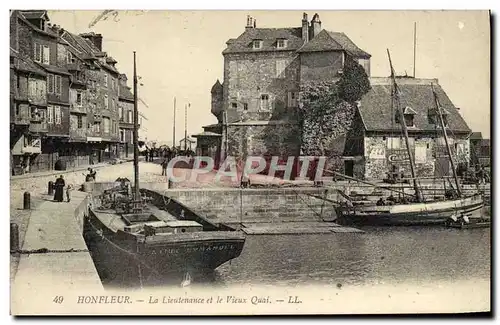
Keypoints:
pixel 81 80
pixel 22 116
pixel 38 127
pixel 78 133
pixel 76 108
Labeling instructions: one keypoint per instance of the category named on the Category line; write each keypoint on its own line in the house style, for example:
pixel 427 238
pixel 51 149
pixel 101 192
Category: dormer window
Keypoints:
pixel 281 43
pixel 409 115
pixel 257 44
pixel 434 117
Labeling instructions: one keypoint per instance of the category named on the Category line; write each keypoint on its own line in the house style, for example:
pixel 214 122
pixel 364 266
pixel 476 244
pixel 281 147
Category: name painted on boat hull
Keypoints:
pixel 215 248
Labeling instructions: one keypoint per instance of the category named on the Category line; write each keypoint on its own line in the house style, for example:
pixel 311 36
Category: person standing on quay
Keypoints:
pixel 69 189
pixel 59 189
pixel 164 165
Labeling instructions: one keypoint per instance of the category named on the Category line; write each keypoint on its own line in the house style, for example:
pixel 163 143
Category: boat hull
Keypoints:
pixel 120 258
pixel 414 214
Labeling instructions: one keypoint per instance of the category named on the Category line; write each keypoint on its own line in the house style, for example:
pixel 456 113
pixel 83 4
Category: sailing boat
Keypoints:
pixel 416 210
pixel 147 236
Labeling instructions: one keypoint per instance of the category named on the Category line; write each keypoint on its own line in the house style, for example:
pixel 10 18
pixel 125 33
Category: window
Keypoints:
pixel 105 79
pixel 37 56
pixel 257 44
pixel 130 117
pixel 120 112
pixel 46 54
pixel 280 68
pixel 393 143
pixel 57 114
pixel 50 83
pixel 445 120
pixel 97 127
pixel 50 114
pixel 113 104
pixel 264 102
pixel 79 98
pixel 409 120
pixel 106 102
pixel 293 99
pixel 281 43
pixel 79 120
pixel 69 57
pixel 106 124
pixel 234 105
pixel 58 84
pixel 122 135
pixel 245 107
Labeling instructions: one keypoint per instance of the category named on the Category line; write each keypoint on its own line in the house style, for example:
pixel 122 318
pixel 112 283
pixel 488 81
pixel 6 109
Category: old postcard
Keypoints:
pixel 249 162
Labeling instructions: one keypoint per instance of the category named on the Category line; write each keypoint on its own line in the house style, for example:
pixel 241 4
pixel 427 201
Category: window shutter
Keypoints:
pixel 37 52
pixel 50 83
pixel 57 114
pixel 46 54
pixel 32 88
pixel 57 86
pixel 50 114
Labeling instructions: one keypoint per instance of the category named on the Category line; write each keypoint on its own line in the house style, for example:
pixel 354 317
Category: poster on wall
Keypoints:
pixel 377 153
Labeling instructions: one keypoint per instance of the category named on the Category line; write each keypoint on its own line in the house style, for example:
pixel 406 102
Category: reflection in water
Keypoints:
pixel 381 255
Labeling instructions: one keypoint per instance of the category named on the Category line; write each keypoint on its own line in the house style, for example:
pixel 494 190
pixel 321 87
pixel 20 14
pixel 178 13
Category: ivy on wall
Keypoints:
pixel 327 109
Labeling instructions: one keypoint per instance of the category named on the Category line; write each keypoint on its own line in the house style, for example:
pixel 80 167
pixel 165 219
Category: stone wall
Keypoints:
pixel 320 66
pixel 380 156
pixel 248 76
pixel 258 205
pixel 275 139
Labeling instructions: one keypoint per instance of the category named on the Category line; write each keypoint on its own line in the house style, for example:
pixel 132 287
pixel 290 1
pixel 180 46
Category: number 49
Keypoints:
pixel 58 299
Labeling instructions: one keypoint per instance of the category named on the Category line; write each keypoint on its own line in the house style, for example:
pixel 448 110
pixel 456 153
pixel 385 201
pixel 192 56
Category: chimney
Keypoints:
pixel 96 39
pixel 249 22
pixel 305 28
pixel 316 25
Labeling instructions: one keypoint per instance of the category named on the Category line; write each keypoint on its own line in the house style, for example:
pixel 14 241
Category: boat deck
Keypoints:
pixel 114 221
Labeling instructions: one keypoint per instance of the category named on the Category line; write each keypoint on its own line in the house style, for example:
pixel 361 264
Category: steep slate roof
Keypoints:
pixel 476 136
pixel 269 38
pixel 377 114
pixel 35 14
pixel 87 50
pixel 216 87
pixel 21 15
pixel 26 64
pixel 125 93
pixel 333 41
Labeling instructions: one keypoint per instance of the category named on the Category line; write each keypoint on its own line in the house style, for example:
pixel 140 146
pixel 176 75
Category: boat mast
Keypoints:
pixel 174 124
pixel 137 194
pixel 448 149
pixel 405 130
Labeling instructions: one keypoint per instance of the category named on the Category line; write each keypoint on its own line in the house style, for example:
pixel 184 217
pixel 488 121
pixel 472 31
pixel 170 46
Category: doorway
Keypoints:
pixel 349 167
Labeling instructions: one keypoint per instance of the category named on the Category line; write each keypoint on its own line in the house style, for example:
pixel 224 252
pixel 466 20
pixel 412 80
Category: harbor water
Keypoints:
pixel 383 255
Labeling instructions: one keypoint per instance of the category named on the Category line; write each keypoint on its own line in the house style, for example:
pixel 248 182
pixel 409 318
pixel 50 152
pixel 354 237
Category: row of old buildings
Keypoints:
pixel 69 104
pixel 257 103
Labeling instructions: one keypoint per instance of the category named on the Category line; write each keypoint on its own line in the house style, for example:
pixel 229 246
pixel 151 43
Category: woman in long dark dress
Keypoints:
pixel 59 189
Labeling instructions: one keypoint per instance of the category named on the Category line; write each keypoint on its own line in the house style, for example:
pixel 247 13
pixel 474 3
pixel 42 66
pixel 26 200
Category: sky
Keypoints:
pixel 179 54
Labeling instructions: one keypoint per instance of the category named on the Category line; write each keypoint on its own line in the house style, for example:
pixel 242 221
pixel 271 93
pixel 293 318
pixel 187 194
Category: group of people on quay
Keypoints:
pixel 166 152
pixel 60 185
